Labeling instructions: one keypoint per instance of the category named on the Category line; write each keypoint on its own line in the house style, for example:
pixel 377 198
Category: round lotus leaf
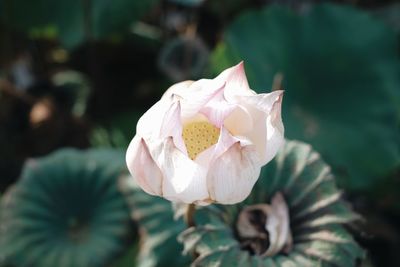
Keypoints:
pixel 66 210
pixel 316 211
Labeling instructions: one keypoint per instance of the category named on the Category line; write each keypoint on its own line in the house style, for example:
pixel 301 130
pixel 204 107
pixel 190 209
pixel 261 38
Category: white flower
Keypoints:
pixel 206 141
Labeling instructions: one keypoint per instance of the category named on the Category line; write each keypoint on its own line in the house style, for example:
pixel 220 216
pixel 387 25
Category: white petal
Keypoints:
pixel 239 121
pixel 275 131
pixel 198 95
pixel 143 168
pixel 263 102
pixel 184 180
pixel 233 174
pixel 268 132
pixel 177 89
pixel 150 122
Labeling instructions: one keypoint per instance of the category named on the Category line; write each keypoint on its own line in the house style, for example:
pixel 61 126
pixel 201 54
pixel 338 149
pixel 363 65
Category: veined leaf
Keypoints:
pixel 319 236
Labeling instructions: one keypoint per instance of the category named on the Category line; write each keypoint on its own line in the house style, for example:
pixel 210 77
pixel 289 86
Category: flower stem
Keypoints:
pixel 189 215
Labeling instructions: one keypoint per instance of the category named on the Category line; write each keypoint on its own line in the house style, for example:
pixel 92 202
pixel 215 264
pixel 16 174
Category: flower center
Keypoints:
pixel 198 136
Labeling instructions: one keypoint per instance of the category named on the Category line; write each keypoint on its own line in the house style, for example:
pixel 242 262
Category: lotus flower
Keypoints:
pixel 205 141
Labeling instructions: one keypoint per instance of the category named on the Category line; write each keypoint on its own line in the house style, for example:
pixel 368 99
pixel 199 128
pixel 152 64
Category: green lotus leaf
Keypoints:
pixel 341 76
pixel 67 19
pixel 317 218
pixel 75 208
pixel 66 210
pixel 157 227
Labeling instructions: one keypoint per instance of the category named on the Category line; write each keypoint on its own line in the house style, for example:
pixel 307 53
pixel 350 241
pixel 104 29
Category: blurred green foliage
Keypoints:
pixel 129 258
pixel 390 15
pixel 188 2
pixel 117 131
pixel 77 86
pixel 341 79
pixel 73 21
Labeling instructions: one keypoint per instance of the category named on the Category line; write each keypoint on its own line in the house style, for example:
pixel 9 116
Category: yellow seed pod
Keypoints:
pixel 198 136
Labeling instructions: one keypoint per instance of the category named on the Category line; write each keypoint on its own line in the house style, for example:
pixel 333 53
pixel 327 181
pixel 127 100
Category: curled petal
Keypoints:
pixel 225 142
pixel 268 132
pixel 265 228
pixel 263 102
pixel 278 226
pixel 275 130
pixel 232 176
pixel 143 168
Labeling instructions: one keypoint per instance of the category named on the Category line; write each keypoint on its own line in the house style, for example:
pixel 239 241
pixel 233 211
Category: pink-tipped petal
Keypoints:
pixel 172 126
pixel 236 82
pixel 233 174
pixel 217 109
pixel 143 168
pixel 235 75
